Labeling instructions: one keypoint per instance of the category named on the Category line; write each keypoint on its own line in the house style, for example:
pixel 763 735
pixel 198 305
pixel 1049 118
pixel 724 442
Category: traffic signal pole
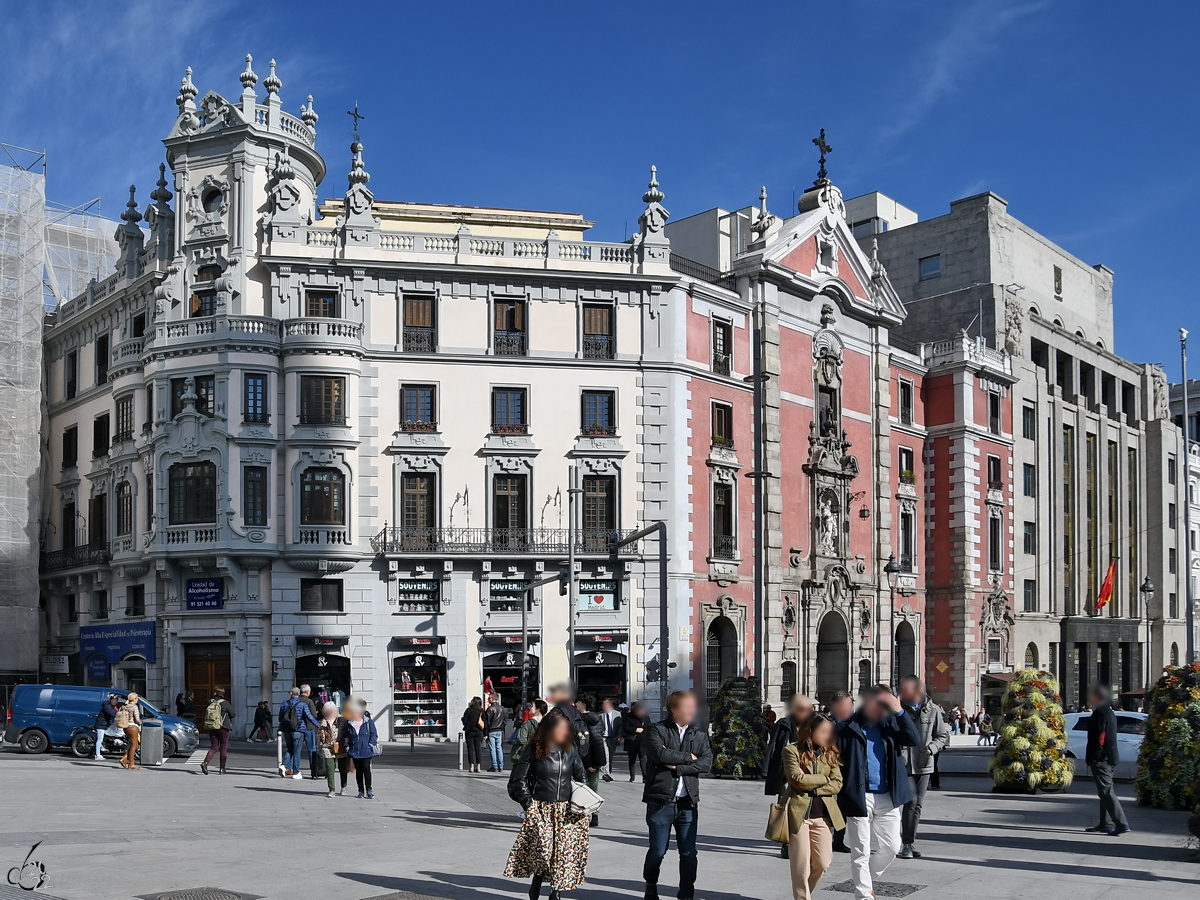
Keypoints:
pixel 526 599
pixel 615 544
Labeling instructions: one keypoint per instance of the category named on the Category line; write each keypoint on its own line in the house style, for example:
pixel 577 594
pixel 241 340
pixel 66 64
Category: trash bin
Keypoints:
pixel 151 750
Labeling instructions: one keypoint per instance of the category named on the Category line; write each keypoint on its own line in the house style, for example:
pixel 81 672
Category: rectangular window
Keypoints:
pixel 1029 479
pixel 102 359
pixel 100 436
pixel 418 493
pixel 722 426
pixel 204 387
pixel 419 332
pixel 993 473
pixel 322 497
pixel 71 375
pixel 70 527
pixel 98 519
pixel 72 608
pixel 138 327
pixel 100 604
pixel 908 473
pixel 1030 595
pixel 509 328
pixel 1058 282
pixel 996 543
pixel 1029 423
pixel 509 510
pixel 321 304
pixel 597 332
pixel 1092 514
pixel 908 539
pixel 724 540
pixel 193 494
pixel 124 508
pixel 994 420
pixel 204 303
pixel 320 595
pixel 124 419
pixel 135 600
pixel 994 657
pixel 596 412
pixel 254 495
pixel 508 411
pixel 1068 520
pixel 1172 560
pixel 149 424
pixel 1173 605
pixel 70 447
pixel 1171 515
pixel 722 347
pixel 1131 543
pixel 599 511
pixel 418 407
pixel 930 267
pixel 1170 470
pixel 149 500
pixel 254 398
pixel 322 400
pixel 906 402
pixel 1030 538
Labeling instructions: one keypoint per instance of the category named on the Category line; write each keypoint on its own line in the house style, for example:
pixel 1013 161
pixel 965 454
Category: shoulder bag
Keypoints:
pixel 584 800
pixel 777 820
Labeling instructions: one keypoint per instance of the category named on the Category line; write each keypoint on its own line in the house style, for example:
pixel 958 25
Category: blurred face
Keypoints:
pixel 822 735
pixel 562 733
pixel 684 712
pixel 348 710
pixel 842 708
pixel 874 708
pixel 912 692
pixel 800 709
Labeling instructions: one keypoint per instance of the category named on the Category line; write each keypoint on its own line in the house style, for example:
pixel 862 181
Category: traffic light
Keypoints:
pixel 564 582
pixel 653 671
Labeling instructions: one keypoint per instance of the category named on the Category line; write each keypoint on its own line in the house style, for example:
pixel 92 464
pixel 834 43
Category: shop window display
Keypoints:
pixel 420 695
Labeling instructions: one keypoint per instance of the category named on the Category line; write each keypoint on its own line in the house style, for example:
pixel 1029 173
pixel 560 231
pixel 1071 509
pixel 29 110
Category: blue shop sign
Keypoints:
pixel 205 593
pixel 115 642
pixel 98 669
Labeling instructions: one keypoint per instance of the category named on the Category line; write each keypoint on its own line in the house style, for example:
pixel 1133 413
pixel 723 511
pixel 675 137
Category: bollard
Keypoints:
pixel 461 751
pixel 279 751
pixel 412 742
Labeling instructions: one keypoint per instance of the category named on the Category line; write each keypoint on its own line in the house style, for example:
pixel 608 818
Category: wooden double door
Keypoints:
pixel 206 668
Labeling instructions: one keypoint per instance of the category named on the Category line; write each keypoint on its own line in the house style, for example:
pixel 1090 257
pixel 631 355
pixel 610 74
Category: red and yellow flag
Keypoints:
pixel 1106 589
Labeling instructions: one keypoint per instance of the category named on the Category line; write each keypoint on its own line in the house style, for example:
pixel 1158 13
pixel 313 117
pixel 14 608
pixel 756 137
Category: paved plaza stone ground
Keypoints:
pixel 437 832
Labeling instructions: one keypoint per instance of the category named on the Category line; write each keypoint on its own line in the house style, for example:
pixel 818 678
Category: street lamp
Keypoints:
pixel 1147 590
pixel 892 571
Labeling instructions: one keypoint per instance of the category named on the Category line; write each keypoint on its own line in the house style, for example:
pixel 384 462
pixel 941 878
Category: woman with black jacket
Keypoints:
pixel 472 723
pixel 553 840
pixel 635 723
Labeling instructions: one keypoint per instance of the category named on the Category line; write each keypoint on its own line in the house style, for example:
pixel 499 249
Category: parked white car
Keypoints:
pixel 1131 726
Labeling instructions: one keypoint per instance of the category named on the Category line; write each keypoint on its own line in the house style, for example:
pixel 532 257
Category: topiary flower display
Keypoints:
pixel 1168 773
pixel 1031 752
pixel 739 729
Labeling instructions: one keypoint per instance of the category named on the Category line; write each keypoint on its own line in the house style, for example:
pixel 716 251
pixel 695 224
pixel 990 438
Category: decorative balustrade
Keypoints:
pixel 389 240
pixel 130 349
pixel 96 553
pixel 193 534
pixel 325 535
pixel 321 237
pixel 254 325
pixel 543 541
pixel 335 328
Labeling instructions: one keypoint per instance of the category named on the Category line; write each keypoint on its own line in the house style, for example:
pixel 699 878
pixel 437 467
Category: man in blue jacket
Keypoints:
pixel 875 783
pixel 295 721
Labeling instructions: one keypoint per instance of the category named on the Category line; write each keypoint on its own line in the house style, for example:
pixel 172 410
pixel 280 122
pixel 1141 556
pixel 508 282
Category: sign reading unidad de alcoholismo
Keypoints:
pixel 205 593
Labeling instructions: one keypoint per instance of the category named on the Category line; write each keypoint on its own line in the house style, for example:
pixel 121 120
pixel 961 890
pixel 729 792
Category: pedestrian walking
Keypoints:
pixel 329 742
pixel 129 720
pixel 592 721
pixel 552 844
pixel 218 721
pixel 813 775
pixel 920 758
pixel 955 713
pixel 611 720
pixel 875 783
pixel 316 759
pixel 179 705
pixel 985 730
pixel 589 739
pixel 104 718
pixel 840 708
pixel 769 715
pixel 261 731
pixel 1102 756
pixel 634 725
pixel 361 740
pixel 800 710
pixel 537 712
pixel 473 733
pixel 493 726
pixel 296 720
pixel 677 754
pixel 189 706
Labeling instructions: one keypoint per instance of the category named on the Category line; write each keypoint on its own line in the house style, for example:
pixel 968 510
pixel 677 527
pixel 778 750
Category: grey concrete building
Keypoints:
pixel 1095 455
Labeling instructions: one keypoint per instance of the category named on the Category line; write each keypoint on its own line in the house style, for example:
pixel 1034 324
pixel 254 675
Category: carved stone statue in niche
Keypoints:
pixel 828 524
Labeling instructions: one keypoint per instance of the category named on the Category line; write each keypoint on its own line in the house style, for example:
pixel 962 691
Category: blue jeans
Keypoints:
pixel 682 816
pixel 495 743
pixel 294 745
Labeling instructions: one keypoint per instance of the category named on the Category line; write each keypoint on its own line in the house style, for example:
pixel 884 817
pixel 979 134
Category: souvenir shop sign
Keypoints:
pixel 420 595
pixel 206 593
pixel 597 595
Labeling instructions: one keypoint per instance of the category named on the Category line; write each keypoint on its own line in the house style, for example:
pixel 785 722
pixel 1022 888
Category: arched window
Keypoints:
pixel 1174 654
pixel 323 497
pixel 721 655
pixel 906 650
pixel 1031 656
pixel 212 201
pixel 787 688
pixel 193 493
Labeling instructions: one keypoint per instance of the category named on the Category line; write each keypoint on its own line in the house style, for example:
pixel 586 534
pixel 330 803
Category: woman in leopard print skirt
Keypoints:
pixel 552 844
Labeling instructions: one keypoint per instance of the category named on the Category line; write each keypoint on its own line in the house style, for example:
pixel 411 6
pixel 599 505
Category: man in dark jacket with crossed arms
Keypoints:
pixel 677 753
pixel 875 783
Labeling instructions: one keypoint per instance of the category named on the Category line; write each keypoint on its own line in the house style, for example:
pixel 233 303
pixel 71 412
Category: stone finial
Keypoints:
pixel 654 217
pixel 248 78
pixel 187 92
pixel 358 174
pixel 131 214
pixel 161 193
pixel 272 82
pixel 765 220
pixel 283 165
pixel 308 115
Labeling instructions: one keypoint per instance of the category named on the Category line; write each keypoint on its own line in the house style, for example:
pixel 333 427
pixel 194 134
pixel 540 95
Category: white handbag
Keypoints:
pixel 584 800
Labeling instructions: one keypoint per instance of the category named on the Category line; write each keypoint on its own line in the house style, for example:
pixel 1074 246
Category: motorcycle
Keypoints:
pixel 83 742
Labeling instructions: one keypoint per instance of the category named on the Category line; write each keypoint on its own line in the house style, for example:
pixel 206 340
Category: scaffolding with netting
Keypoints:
pixel 79 248
pixel 22 261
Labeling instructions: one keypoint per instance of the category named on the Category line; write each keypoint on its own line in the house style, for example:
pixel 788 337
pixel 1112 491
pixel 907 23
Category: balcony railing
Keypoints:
pixel 418 425
pixel 331 534
pixel 420 340
pixel 720 363
pixel 544 541
pixel 725 443
pixel 509 343
pixel 597 346
pixel 596 429
pixel 724 546
pixel 907 478
pixel 906 562
pixel 319 418
pixel 94 554
pixel 510 428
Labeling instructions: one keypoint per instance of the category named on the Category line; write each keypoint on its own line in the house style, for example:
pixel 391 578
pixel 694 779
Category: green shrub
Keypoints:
pixel 1031 752
pixel 1168 774
pixel 739 729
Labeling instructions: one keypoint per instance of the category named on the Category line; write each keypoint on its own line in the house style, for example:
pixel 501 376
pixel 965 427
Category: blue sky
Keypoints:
pixel 1083 115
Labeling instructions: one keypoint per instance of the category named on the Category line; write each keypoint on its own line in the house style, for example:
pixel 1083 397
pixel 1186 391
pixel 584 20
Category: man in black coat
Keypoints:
pixel 677 754
pixel 104 718
pixel 875 783
pixel 1102 757
pixel 800 709
pixel 589 735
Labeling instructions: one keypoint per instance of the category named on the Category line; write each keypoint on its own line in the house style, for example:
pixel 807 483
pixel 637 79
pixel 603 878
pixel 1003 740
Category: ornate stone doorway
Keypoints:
pixel 833 656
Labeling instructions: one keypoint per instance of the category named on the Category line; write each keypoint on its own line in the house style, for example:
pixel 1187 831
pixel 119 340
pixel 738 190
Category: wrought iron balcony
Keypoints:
pixel 509 343
pixel 510 428
pixel 542 541
pixel 725 443
pixel 420 340
pixel 598 429
pixel 597 346
pixel 720 363
pixel 93 554
pixel 724 546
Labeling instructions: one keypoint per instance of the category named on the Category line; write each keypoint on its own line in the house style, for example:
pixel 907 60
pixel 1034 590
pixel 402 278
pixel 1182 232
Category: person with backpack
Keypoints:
pixel 316 759
pixel 493 725
pixel 538 710
pixel 295 721
pixel 589 737
pixel 104 718
pixel 218 722
pixel 361 740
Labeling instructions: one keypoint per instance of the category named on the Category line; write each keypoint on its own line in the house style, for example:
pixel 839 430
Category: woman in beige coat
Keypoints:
pixel 814 779
pixel 129 720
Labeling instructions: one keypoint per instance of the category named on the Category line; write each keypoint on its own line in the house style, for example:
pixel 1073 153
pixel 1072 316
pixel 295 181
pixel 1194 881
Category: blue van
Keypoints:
pixel 42 716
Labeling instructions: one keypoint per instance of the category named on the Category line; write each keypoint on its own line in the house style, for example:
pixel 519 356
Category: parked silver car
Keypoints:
pixel 1131 727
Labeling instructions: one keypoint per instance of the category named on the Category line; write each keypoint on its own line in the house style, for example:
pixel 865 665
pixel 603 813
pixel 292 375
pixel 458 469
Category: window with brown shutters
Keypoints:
pixel 508 337
pixel 321 304
pixel 597 332
pixel 322 400
pixel 419 331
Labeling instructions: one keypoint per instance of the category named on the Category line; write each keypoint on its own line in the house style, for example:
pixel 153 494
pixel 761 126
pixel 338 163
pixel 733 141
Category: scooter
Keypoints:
pixel 83 742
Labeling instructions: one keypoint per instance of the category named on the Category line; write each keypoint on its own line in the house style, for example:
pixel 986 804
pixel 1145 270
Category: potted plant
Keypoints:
pixel 1168 774
pixel 739 729
pixel 1031 753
